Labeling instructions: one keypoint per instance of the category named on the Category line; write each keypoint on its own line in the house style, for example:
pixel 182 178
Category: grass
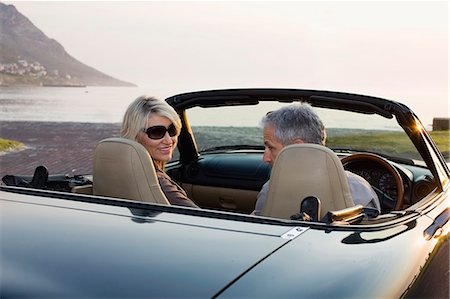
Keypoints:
pixel 9 145
pixel 442 140
pixel 389 142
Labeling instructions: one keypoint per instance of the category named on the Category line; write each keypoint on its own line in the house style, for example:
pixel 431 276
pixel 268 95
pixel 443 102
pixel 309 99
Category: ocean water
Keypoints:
pixel 68 104
pixel 99 105
pixel 108 104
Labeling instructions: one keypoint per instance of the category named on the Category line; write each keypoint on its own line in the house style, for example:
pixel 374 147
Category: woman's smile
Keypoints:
pixel 160 150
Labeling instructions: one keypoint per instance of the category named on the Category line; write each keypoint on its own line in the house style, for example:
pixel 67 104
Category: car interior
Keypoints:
pixel 221 169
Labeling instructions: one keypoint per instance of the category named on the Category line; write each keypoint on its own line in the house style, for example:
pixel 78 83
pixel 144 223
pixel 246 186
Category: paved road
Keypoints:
pixel 61 147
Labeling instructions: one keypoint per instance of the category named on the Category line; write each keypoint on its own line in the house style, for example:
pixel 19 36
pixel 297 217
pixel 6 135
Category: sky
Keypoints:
pixel 392 49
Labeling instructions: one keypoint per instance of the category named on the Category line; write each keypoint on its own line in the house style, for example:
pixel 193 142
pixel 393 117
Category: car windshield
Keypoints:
pixel 222 127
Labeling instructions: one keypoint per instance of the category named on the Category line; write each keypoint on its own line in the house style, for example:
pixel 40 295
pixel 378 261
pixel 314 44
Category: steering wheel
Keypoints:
pixel 346 161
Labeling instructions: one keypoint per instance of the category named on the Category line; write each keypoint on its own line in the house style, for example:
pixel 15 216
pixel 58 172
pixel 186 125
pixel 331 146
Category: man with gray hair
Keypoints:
pixel 296 124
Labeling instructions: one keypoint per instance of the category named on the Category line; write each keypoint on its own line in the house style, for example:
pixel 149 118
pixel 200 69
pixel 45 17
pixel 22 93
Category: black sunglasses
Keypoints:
pixel 158 132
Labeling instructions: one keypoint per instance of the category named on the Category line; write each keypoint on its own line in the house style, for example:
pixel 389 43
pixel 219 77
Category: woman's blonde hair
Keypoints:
pixel 139 111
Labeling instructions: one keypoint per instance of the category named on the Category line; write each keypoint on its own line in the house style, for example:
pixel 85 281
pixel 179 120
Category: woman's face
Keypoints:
pixel 160 150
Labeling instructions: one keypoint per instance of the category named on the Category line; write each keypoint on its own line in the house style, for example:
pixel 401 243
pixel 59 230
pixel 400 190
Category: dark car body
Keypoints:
pixel 65 244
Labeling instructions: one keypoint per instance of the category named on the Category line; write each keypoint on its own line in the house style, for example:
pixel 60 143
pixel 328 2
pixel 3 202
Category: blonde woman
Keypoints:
pixel 156 125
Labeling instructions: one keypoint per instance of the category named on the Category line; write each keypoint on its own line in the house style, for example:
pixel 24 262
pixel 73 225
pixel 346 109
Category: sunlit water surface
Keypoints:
pixel 108 104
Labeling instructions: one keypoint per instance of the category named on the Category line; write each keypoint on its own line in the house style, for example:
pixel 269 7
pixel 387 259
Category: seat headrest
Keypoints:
pixel 124 169
pixel 303 170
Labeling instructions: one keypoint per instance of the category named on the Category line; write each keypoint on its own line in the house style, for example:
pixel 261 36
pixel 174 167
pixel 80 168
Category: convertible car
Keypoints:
pixel 112 233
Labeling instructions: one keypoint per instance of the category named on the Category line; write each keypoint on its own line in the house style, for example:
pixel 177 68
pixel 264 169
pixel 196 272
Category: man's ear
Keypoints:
pixel 298 141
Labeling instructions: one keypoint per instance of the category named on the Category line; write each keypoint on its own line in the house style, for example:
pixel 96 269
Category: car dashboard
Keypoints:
pixel 245 170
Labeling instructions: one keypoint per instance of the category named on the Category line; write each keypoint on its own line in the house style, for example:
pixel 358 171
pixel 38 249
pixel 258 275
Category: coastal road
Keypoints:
pixel 63 147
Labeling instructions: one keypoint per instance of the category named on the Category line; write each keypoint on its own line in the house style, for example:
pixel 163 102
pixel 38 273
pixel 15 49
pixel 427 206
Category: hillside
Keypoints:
pixel 29 57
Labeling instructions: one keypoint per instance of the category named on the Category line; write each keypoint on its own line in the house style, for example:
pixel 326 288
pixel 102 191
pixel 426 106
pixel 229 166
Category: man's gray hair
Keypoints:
pixel 296 121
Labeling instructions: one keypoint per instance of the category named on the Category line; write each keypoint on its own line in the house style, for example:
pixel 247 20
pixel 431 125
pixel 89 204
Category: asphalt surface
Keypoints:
pixel 63 147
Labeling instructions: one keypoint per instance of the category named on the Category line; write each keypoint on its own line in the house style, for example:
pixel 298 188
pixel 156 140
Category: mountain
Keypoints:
pixel 29 57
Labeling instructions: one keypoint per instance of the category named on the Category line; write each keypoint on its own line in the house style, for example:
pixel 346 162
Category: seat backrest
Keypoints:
pixel 303 170
pixel 124 169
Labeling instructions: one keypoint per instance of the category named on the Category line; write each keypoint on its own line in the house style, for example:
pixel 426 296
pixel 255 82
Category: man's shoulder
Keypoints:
pixel 353 177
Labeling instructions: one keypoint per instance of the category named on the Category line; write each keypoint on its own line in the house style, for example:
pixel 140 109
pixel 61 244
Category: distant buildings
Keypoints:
pixel 23 68
pixel 23 72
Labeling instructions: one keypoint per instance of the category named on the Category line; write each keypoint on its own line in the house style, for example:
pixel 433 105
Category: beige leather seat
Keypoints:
pixel 303 170
pixel 124 169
